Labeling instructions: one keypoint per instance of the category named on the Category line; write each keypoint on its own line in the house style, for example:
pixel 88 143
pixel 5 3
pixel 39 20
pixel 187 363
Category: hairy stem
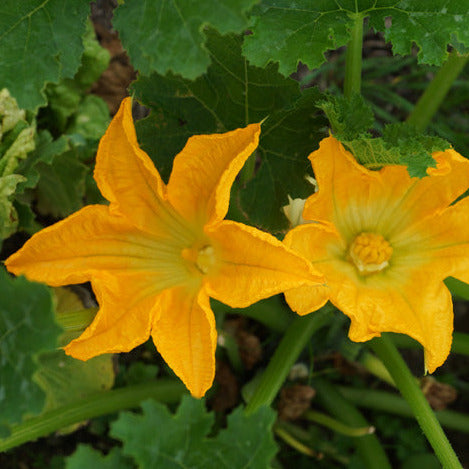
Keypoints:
pixel 411 392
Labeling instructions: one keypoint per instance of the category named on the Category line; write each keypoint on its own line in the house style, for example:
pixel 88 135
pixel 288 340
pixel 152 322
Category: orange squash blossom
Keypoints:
pixel 157 253
pixel 385 242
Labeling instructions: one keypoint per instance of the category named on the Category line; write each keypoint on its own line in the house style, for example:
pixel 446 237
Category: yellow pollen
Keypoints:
pixel 370 253
pixel 202 258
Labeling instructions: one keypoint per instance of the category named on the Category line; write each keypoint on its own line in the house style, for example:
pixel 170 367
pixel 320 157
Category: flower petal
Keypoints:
pixel 128 308
pixel 89 241
pixel 386 201
pixel 447 241
pixel 254 265
pixel 409 297
pixel 127 177
pixel 313 241
pixel 204 171
pixel 185 335
pixel 421 309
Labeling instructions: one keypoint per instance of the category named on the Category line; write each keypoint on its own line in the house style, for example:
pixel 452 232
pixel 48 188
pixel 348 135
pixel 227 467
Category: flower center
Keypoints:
pixel 370 253
pixel 202 258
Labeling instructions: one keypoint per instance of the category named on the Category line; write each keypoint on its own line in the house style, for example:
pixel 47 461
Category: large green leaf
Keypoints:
pixel 168 35
pixel 27 327
pixel 86 456
pixel 232 94
pixel 157 439
pixel 288 32
pixel 40 42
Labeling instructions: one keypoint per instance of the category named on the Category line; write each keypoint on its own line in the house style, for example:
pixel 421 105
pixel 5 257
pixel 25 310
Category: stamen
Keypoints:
pixel 203 259
pixel 370 253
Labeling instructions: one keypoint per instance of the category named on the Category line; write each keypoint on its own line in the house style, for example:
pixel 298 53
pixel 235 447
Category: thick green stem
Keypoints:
pixel 288 351
pixel 353 59
pixel 388 402
pixel 368 446
pixel 411 392
pixel 436 91
pixel 167 391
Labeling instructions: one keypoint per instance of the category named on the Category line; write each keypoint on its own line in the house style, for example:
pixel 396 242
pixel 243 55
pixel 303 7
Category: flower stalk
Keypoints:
pixel 293 342
pixel 411 392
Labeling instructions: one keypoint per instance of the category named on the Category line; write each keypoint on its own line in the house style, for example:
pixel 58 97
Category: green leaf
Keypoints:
pixel 91 118
pixel 349 118
pixel 168 36
pixel 40 42
pixel 180 440
pixel 288 32
pixel 287 138
pixel 61 186
pixel 86 456
pixel 230 95
pixel 401 143
pixel 8 213
pixel 46 149
pixel 65 379
pixel 94 61
pixel 27 327
pixel 247 442
pixel 65 99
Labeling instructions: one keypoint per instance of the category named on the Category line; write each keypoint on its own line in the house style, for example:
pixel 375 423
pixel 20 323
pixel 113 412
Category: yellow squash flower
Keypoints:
pixel 157 253
pixel 384 242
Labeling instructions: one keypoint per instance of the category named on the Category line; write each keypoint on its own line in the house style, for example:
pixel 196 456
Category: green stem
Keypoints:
pixel 388 402
pixel 411 392
pixel 376 367
pixel 288 351
pixel 353 59
pixel 436 91
pixel 335 425
pixel 368 446
pixel 168 391
pixel 292 441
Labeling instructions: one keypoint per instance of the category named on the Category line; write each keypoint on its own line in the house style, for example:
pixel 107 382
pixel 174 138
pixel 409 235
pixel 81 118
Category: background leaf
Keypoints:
pixel 86 456
pixel 288 32
pixel 180 440
pixel 61 186
pixel 27 327
pixel 168 35
pixel 57 26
